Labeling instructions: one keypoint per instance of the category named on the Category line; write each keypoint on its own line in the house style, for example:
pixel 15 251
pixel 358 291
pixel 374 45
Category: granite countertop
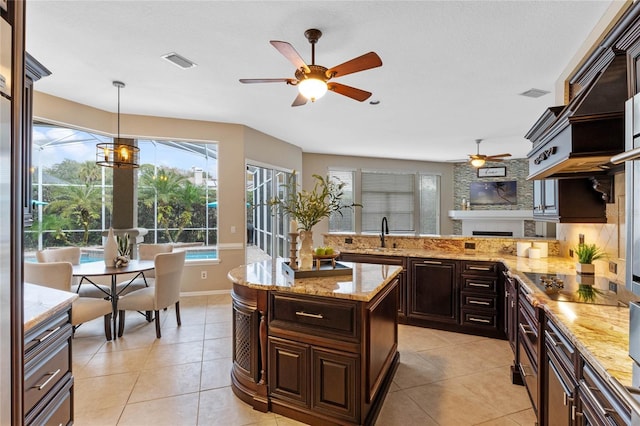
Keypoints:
pixel 41 303
pixel 365 282
pixel 600 333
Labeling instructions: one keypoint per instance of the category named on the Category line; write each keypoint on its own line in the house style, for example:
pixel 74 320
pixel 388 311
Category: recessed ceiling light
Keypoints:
pixel 179 60
pixel 534 93
pixel 374 102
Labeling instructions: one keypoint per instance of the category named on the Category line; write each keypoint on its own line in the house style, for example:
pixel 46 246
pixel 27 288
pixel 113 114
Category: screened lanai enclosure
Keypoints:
pixel 175 186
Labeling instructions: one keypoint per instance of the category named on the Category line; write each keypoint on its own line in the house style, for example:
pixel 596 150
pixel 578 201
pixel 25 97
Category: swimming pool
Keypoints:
pixel 208 254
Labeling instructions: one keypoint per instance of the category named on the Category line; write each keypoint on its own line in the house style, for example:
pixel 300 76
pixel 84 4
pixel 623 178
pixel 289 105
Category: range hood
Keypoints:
pixel 579 139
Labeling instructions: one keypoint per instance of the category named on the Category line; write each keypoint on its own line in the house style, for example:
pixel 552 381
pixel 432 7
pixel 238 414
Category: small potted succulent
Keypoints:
pixel 586 254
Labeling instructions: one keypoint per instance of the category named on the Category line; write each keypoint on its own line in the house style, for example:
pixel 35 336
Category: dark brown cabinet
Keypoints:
pixel 568 201
pixel 386 260
pixel 598 404
pixel 559 377
pixel 48 381
pixel 528 347
pixel 480 306
pixel 433 291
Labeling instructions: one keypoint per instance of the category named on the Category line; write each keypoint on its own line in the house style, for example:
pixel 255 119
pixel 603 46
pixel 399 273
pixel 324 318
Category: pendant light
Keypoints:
pixel 120 153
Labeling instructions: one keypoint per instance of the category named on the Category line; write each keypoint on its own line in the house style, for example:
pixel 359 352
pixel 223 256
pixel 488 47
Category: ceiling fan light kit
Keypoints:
pixel 479 160
pixel 313 80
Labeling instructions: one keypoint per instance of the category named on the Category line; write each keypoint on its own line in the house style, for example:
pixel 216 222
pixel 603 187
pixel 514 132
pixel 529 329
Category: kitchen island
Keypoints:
pixel 318 349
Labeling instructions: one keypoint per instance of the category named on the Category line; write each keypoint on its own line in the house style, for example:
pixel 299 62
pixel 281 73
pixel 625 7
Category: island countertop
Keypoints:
pixel 42 302
pixel 363 284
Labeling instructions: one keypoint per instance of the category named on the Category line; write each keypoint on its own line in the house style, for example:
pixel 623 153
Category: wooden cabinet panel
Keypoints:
pixel 335 381
pixel 568 201
pixel 289 371
pixel 433 290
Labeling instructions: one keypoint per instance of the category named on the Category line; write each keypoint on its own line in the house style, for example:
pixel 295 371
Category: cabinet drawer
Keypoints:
pixel 480 268
pixel 57 409
pixel 479 319
pixel 37 339
pixel 480 284
pixel 45 371
pixel 560 346
pixel 475 301
pixel 338 317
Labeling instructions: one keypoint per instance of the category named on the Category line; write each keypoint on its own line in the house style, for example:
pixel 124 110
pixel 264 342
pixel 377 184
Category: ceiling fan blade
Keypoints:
pixel 268 80
pixel 299 100
pixel 290 53
pixel 499 156
pixel 493 160
pixel 348 91
pixel 361 63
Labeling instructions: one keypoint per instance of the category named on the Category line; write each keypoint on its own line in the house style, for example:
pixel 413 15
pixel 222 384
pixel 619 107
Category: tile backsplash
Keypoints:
pixel 610 236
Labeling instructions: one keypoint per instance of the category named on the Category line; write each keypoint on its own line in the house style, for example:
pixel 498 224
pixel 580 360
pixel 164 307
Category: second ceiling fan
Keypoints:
pixel 478 160
pixel 313 80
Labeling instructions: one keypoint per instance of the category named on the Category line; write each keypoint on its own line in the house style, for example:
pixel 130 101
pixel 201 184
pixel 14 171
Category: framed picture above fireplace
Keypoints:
pixel 490 193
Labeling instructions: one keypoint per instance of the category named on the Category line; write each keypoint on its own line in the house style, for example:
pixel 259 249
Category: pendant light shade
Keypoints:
pixel 120 153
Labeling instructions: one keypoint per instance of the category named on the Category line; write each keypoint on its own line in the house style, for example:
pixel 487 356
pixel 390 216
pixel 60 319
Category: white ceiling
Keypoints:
pixel 452 70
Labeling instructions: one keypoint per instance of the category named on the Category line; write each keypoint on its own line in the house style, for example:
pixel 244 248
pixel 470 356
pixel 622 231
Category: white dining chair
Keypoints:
pixel 145 252
pixel 57 275
pixel 72 255
pixel 165 292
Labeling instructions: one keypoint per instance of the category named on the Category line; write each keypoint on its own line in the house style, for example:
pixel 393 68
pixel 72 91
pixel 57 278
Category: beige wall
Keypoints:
pixel 320 163
pixel 233 142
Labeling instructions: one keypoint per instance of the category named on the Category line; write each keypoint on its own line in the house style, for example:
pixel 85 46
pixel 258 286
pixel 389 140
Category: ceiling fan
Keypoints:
pixel 313 80
pixel 478 160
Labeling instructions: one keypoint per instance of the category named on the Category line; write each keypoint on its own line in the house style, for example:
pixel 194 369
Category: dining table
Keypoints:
pixel 87 271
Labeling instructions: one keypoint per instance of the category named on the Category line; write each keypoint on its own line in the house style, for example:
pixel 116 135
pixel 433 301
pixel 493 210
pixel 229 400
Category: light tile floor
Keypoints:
pixel 183 378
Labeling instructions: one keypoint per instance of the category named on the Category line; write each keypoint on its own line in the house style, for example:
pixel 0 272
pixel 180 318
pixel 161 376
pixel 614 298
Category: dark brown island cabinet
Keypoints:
pixel 319 359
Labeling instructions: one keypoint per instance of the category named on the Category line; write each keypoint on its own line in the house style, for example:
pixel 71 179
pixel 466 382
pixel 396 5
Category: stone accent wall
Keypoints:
pixel 518 170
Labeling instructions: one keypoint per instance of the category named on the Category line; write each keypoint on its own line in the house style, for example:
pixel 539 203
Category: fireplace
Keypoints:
pixel 500 223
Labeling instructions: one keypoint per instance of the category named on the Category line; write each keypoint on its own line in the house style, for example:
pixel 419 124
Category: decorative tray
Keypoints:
pixel 321 269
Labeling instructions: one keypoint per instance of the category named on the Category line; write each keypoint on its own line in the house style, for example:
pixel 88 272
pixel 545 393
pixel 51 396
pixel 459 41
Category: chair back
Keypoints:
pixel 52 274
pixel 168 268
pixel 149 251
pixel 61 254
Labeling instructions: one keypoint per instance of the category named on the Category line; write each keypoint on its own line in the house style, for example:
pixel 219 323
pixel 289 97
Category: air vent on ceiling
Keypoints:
pixel 179 60
pixel 534 93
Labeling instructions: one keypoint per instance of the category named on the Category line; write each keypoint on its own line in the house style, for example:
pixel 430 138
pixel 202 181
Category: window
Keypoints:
pixel 409 200
pixel 343 221
pixel 72 195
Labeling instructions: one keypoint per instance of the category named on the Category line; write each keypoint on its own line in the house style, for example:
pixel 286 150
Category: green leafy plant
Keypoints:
pixel 310 207
pixel 587 253
pixel 124 249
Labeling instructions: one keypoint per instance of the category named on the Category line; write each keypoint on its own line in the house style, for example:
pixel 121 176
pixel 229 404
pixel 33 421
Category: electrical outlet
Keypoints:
pixel 470 246
pixel 613 287
pixel 570 252
pixel 613 267
pixel 348 240
pixel 580 238
pixel 203 275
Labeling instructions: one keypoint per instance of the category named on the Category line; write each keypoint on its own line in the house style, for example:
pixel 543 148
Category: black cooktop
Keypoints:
pixel 594 289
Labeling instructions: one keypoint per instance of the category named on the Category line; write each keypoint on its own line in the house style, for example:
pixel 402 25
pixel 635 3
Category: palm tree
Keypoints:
pixel 80 203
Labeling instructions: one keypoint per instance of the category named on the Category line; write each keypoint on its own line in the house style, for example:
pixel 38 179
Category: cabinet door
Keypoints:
pixel 289 371
pixel 550 197
pixel 511 309
pixel 559 395
pixel 434 290
pixel 335 384
pixel 538 194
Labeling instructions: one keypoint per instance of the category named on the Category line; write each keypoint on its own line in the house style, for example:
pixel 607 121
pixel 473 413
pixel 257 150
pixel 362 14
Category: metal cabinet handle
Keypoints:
pixel 432 262
pixel 305 314
pixel 49 334
pixel 550 337
pixel 51 376
pixel 480 268
pixel 484 321
pixel 482 285
pixel 478 302
pixel 526 329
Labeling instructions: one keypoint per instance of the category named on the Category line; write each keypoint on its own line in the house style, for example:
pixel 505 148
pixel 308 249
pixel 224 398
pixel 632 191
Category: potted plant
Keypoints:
pixel 306 208
pixel 586 254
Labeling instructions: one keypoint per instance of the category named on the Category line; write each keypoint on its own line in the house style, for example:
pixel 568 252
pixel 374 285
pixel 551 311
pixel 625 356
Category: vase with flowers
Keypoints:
pixel 306 208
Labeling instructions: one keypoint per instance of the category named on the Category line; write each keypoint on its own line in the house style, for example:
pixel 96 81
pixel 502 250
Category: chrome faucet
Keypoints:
pixel 385 230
